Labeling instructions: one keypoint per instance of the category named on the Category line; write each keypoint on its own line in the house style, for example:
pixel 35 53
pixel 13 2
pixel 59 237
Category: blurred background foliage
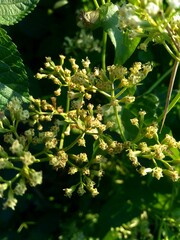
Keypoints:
pixel 128 206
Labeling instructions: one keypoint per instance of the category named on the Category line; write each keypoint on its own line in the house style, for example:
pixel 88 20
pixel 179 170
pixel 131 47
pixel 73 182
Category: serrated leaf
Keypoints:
pixel 13 77
pixel 12 11
pixel 124 46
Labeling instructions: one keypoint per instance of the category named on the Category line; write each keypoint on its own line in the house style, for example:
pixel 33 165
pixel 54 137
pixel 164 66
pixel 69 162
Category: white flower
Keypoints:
pixel 3 187
pixel 28 158
pixel 11 201
pixel 133 20
pixel 16 147
pixel 35 177
pixel 20 188
pixel 4 163
pixel 157 172
pixel 143 171
pixel 69 191
pixel 174 4
pixel 152 8
pixel 24 115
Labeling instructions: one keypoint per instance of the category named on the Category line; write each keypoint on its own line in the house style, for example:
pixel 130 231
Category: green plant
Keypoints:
pixel 93 122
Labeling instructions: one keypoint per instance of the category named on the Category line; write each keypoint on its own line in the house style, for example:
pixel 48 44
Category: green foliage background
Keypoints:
pixel 44 212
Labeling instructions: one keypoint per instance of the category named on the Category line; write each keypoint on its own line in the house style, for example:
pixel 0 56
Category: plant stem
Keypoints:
pixel 118 118
pixel 104 41
pixel 170 88
pixel 61 143
pixel 72 143
pixel 120 125
pixel 120 93
pixel 170 52
pixel 96 4
pixel 171 105
pixel 158 81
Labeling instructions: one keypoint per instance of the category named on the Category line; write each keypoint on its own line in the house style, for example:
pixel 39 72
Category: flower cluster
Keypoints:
pixel 76 133
pixel 149 20
pixel 83 40
pixel 15 155
pixel 156 157
pixel 137 227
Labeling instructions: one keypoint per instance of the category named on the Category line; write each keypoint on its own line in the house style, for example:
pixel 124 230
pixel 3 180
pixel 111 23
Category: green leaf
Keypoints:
pixel 112 235
pixel 124 46
pixel 60 3
pixel 13 77
pixel 12 11
pixel 148 103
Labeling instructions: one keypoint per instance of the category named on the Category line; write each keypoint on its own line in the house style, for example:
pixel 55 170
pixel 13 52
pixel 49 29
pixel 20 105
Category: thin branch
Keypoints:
pixel 170 88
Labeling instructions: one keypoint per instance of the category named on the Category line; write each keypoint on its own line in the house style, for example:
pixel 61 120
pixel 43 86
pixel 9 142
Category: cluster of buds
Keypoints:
pixel 161 155
pixel 63 127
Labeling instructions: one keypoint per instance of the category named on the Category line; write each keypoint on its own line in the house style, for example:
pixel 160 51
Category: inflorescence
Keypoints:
pixel 73 132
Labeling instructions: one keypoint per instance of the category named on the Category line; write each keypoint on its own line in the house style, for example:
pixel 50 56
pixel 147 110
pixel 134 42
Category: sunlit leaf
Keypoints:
pixel 12 11
pixel 123 45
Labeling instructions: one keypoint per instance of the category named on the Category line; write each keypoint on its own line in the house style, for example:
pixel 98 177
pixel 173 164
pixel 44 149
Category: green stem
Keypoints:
pixel 166 164
pixel 104 93
pixel 96 4
pixel 171 105
pixel 158 81
pixel 118 118
pixel 72 144
pixel 120 93
pixel 119 122
pixel 171 83
pixel 61 143
pixel 104 41
pixel 120 125
pixel 40 153
pixel 170 52
pixel 15 178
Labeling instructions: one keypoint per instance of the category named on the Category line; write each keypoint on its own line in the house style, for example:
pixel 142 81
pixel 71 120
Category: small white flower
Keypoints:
pixel 28 158
pixel 35 177
pixel 174 4
pixel 157 172
pixel 24 115
pixel 143 171
pixel 69 191
pixel 152 8
pixel 16 147
pixel 3 187
pixel 20 188
pixel 86 62
pixel 11 202
pixel 4 163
